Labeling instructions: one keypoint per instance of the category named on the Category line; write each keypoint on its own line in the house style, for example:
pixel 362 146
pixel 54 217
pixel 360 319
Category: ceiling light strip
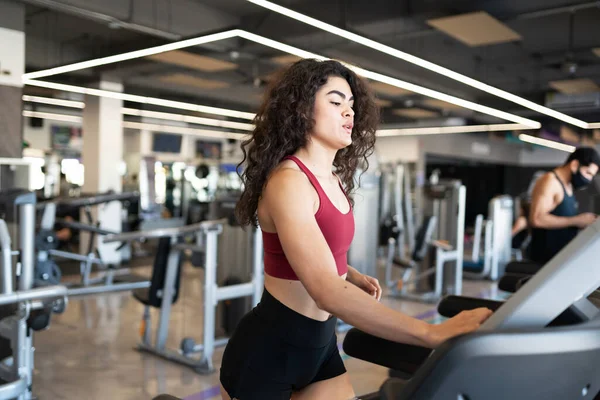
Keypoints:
pixel 396 82
pixel 188 118
pixel 447 98
pixel 131 55
pixel 54 102
pixel 438 130
pixel 303 54
pixel 147 113
pixel 183 130
pixel 141 99
pixel 52 116
pixel 546 143
pixel 142 126
pixel 420 62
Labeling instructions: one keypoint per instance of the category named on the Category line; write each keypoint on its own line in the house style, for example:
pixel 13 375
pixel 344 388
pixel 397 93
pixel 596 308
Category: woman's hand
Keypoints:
pixel 365 282
pixel 465 322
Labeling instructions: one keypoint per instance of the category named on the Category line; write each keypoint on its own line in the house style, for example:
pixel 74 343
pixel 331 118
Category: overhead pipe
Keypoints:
pixel 103 18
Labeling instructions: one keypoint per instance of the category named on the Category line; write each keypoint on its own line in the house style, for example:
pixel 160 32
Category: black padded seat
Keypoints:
pixel 522 267
pixel 151 296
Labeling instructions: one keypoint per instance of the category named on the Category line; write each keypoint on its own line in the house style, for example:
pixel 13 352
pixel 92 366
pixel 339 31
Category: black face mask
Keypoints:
pixel 579 181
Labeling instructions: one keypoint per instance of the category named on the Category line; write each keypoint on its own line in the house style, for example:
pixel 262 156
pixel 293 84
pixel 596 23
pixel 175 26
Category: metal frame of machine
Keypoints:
pixel 207 233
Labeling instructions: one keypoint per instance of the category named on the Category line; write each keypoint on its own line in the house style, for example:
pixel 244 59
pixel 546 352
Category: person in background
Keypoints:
pixel 554 216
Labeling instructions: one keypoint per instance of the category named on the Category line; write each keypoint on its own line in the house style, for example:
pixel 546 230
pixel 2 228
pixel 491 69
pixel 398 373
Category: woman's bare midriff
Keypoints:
pixel 291 293
pixel 294 295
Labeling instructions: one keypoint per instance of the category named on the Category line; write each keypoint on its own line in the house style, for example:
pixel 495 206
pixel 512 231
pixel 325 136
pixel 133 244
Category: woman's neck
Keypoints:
pixel 318 159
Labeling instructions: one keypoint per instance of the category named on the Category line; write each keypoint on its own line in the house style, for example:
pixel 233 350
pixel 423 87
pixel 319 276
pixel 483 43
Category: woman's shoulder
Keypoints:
pixel 286 179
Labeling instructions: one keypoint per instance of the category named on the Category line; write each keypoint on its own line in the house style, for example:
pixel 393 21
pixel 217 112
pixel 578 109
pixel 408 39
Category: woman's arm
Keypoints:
pixel 288 198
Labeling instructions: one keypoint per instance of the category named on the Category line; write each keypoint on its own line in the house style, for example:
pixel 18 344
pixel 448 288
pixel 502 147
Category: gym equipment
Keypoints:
pixel 517 274
pixel 397 221
pixel 362 254
pixel 445 206
pixel 27 308
pixel 475 367
pixel 112 280
pixel 16 172
pixel 423 241
pixel 164 289
pixel 498 240
pixel 516 337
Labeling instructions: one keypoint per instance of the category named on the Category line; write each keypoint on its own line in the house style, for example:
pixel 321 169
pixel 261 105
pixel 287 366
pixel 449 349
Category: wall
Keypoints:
pixel 466 146
pixel 471 146
pixel 390 149
pixel 542 157
pixel 40 138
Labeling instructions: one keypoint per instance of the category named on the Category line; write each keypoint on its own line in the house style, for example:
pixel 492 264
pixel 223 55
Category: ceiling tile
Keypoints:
pixel 572 86
pixel 475 29
pixel 388 89
pixel 415 113
pixel 193 61
pixel 190 80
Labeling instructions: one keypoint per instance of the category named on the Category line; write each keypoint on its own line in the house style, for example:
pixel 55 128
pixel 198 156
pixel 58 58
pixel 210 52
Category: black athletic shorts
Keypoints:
pixel 275 351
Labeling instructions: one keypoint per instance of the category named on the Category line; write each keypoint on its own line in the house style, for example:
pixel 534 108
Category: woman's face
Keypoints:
pixel 333 114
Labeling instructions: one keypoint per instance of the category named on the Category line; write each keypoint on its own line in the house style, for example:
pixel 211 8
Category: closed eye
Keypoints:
pixel 336 103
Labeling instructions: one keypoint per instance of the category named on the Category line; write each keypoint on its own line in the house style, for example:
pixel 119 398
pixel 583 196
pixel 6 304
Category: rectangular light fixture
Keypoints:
pixel 594 125
pixel 186 131
pixel 147 113
pixel 141 125
pixel 131 55
pixel 188 118
pixel 546 143
pixel 52 116
pixel 266 42
pixel 396 82
pixel 54 102
pixel 439 130
pixel 142 99
pixel 419 62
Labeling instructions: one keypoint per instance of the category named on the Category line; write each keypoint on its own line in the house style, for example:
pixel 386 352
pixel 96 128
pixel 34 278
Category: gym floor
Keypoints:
pixel 88 351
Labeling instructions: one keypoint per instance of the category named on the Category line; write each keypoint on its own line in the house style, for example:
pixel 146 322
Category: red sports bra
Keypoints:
pixel 337 228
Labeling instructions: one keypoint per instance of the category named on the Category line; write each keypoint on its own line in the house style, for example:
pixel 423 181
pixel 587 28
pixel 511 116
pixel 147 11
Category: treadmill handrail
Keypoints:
pixel 568 277
pixel 166 232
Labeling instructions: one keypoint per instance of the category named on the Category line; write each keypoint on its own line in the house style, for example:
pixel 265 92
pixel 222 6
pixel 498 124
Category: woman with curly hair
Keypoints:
pixel 317 122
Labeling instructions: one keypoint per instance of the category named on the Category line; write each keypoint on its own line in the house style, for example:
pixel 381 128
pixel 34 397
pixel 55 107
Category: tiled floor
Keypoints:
pixel 88 352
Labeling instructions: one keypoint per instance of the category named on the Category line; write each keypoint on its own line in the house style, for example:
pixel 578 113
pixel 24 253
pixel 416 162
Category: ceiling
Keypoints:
pixel 548 41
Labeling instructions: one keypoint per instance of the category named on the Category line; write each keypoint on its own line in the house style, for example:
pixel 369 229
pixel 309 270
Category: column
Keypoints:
pixel 12 67
pixel 101 156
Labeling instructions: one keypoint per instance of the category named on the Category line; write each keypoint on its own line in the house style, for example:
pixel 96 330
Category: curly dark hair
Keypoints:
pixel 283 123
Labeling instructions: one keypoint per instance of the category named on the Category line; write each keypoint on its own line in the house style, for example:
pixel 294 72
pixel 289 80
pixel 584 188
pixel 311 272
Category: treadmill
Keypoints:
pixel 542 343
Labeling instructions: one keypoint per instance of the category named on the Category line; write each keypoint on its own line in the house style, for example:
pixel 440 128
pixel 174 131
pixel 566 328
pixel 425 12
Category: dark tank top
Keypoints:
pixel 546 243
